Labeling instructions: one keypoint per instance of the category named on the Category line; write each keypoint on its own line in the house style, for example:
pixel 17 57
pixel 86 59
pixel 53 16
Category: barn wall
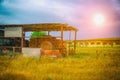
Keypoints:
pixel 13 31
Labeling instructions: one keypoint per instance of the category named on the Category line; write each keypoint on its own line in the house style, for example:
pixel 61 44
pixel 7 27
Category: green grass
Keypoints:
pixel 80 66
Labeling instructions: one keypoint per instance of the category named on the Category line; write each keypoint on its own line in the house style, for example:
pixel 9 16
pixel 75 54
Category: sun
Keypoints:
pixel 99 19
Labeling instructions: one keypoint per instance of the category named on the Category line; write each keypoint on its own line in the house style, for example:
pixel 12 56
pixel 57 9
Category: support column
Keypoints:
pixel 61 47
pixel 69 42
pixel 75 41
pixel 48 32
pixel 22 41
pixel 62 33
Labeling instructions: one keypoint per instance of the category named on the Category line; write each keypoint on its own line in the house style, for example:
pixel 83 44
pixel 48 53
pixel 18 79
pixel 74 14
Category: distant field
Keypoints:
pixel 97 50
pixel 86 64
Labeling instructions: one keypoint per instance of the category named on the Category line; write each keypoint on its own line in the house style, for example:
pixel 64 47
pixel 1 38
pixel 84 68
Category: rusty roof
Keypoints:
pixel 42 27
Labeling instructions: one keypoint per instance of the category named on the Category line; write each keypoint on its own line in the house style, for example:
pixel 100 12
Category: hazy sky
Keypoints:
pixel 78 13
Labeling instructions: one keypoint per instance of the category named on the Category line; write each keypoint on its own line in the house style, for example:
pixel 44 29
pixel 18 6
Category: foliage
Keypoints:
pixel 37 34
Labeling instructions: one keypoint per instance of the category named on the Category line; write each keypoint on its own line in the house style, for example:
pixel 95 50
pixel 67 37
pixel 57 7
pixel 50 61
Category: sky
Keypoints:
pixel 77 13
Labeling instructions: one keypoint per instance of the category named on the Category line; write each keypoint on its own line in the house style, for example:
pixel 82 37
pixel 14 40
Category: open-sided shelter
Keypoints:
pixel 12 36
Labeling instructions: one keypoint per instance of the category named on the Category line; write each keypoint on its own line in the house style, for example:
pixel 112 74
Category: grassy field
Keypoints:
pixel 86 64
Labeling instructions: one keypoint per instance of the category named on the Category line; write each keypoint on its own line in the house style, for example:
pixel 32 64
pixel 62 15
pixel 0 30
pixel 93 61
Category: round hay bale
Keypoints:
pixel 46 45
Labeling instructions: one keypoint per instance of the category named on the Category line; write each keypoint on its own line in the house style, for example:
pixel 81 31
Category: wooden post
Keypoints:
pixel 48 33
pixel 62 33
pixel 61 40
pixel 13 49
pixel 75 41
pixel 69 42
pixel 22 40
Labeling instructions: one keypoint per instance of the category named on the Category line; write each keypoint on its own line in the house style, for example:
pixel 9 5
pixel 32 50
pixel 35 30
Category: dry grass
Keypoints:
pixel 82 66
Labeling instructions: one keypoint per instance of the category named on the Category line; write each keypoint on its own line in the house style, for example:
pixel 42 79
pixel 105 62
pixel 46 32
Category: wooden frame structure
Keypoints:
pixel 43 27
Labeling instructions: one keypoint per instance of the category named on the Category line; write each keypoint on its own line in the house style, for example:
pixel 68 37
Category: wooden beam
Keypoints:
pixel 75 35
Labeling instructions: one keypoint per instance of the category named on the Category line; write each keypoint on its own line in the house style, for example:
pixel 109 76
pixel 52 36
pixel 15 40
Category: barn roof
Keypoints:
pixel 43 27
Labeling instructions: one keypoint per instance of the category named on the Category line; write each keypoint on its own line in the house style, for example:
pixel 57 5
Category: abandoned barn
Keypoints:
pixel 12 37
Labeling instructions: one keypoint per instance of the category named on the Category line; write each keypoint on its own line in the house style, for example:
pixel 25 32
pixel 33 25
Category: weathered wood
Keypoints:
pixel 58 44
pixel 75 34
pixel 43 27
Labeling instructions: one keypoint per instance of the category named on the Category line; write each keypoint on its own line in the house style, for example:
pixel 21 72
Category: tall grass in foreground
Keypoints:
pixel 82 66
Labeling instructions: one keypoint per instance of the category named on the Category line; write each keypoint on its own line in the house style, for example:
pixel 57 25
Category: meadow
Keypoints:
pixel 86 64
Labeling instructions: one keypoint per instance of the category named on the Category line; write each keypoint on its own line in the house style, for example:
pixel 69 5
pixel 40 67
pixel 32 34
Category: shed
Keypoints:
pixel 13 35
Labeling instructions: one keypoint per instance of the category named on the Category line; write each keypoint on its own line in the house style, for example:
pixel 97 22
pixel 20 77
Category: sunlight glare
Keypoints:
pixel 99 19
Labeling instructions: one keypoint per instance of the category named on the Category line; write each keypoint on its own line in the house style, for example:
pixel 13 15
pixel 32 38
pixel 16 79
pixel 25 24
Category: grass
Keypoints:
pixel 81 66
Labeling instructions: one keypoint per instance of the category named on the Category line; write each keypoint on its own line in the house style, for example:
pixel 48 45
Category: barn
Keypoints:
pixel 13 38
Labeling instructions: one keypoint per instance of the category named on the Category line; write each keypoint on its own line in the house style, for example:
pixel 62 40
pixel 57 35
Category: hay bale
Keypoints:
pixel 52 53
pixel 46 45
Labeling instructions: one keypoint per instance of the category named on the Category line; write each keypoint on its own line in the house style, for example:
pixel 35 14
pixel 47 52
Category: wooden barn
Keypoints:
pixel 12 37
